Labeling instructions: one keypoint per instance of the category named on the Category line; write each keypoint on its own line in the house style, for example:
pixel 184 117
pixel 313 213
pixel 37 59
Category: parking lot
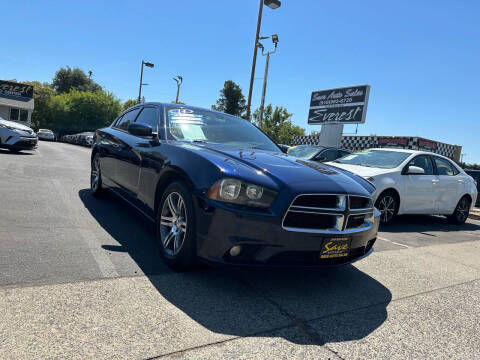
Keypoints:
pixel 81 277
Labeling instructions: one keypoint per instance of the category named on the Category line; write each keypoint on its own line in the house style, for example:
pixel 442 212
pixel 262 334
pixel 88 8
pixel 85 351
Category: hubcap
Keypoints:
pixel 173 223
pixel 386 206
pixel 462 210
pixel 95 175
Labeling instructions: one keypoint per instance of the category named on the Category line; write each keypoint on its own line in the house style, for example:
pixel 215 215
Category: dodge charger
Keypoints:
pixel 219 190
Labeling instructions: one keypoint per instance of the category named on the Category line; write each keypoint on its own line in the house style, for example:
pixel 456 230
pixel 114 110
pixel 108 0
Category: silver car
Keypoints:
pixel 16 137
pixel 45 134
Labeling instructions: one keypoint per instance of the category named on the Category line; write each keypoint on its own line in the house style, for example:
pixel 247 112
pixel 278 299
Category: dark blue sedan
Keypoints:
pixel 218 189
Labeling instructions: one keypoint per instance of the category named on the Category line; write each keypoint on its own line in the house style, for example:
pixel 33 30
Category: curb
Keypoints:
pixel 474 216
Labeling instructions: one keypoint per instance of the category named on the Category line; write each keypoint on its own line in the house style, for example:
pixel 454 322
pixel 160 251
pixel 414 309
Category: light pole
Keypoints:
pixel 179 80
pixel 262 103
pixel 272 4
pixel 150 65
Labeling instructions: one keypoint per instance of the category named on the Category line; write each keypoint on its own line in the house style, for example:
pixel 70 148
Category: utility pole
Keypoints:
pixel 265 77
pixel 179 80
pixel 272 4
pixel 150 65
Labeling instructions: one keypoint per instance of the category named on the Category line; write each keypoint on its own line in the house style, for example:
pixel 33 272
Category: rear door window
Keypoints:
pixel 444 167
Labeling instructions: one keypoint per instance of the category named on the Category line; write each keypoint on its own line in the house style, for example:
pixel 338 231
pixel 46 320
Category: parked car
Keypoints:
pixel 413 182
pixel 218 189
pixel 317 153
pixel 46 134
pixel 475 174
pixel 16 137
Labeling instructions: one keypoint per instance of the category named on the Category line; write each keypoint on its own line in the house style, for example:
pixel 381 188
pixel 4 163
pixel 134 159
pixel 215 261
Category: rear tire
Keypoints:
pixel 460 215
pixel 175 227
pixel 388 204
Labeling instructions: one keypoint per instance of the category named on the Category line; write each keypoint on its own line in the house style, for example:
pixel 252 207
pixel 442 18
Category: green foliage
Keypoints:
pixel 278 125
pixel 231 99
pixel 79 111
pixel 42 93
pixel 66 79
pixel 129 103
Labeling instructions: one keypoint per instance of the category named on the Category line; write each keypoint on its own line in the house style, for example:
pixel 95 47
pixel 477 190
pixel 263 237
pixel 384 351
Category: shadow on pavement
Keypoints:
pixel 422 223
pixel 244 302
pixel 21 152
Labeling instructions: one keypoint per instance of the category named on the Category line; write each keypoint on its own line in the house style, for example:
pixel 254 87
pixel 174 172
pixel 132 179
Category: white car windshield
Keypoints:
pixel 186 124
pixel 375 158
pixel 304 151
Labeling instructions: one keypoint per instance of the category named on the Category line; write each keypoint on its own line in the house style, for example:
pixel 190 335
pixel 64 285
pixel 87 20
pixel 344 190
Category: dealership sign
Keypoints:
pixel 346 105
pixel 12 89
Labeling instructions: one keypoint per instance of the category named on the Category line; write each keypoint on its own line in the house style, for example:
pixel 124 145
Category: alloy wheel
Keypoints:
pixel 387 206
pixel 173 223
pixel 463 208
pixel 95 174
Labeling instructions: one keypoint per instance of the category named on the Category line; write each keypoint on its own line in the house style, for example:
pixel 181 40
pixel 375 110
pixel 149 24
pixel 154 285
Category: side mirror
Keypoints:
pixel 140 129
pixel 415 170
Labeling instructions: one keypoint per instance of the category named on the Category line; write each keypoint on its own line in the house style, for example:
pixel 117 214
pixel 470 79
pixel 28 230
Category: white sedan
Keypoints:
pixel 413 182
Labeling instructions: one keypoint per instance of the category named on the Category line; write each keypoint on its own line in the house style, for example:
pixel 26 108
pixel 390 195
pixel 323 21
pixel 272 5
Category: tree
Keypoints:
pixel 66 79
pixel 129 103
pixel 231 99
pixel 42 93
pixel 278 125
pixel 79 111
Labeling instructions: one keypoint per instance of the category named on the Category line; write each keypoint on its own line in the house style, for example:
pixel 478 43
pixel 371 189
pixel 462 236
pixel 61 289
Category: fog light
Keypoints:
pixel 234 251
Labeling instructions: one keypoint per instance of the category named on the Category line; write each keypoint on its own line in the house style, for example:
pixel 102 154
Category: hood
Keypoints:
pixel 15 125
pixel 281 169
pixel 363 171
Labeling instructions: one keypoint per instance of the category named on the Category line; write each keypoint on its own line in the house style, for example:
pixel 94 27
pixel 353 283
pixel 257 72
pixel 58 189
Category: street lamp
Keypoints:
pixel 272 4
pixel 179 80
pixel 150 65
pixel 262 103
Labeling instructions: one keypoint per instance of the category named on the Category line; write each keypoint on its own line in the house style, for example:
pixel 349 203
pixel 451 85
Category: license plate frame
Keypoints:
pixel 335 247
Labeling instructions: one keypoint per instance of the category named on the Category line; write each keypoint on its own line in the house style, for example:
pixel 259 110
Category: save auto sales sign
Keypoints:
pixel 346 105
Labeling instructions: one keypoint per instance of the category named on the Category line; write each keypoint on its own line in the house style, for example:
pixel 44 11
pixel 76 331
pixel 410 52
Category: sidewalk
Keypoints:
pixel 475 214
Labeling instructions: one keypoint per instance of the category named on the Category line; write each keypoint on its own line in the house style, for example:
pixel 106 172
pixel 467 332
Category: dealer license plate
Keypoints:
pixel 32 142
pixel 335 247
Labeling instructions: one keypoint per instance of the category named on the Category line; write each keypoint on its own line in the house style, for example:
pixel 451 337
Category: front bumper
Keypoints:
pixel 18 142
pixel 264 242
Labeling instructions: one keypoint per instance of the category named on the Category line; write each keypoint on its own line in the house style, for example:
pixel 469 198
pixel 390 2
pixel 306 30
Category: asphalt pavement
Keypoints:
pixel 81 278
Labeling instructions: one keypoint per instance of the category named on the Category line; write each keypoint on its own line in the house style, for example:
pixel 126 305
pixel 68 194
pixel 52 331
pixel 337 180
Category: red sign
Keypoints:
pixel 427 144
pixel 392 141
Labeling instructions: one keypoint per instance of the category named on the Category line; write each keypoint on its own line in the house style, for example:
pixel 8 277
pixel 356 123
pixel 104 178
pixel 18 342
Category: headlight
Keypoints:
pixel 238 192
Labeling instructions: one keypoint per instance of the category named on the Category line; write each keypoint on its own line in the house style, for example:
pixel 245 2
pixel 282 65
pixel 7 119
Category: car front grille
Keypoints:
pixel 328 213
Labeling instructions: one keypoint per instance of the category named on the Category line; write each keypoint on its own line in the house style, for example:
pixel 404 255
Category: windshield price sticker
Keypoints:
pixel 346 105
pixel 335 248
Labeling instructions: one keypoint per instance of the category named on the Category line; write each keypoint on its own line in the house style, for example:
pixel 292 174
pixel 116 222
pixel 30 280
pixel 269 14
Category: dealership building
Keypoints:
pixel 356 143
pixel 16 101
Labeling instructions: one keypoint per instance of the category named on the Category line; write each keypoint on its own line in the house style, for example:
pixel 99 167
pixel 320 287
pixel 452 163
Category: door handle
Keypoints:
pixel 435 181
pixel 460 181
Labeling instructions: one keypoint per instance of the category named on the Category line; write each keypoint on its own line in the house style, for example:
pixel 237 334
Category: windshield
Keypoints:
pixel 304 151
pixel 375 158
pixel 194 125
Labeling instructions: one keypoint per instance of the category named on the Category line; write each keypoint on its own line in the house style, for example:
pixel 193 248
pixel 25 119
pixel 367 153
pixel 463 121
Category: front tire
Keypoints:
pixel 95 176
pixel 388 204
pixel 175 225
pixel 461 212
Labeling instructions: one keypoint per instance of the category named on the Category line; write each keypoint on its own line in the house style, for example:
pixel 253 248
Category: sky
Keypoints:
pixel 421 58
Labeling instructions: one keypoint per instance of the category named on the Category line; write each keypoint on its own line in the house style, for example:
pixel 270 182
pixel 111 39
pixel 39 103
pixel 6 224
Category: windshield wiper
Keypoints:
pixel 203 141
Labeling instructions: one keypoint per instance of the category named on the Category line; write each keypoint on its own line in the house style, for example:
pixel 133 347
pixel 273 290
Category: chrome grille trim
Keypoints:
pixel 342 214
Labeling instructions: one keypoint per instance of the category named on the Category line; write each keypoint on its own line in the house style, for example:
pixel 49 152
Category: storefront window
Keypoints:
pixel 23 115
pixel 14 114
